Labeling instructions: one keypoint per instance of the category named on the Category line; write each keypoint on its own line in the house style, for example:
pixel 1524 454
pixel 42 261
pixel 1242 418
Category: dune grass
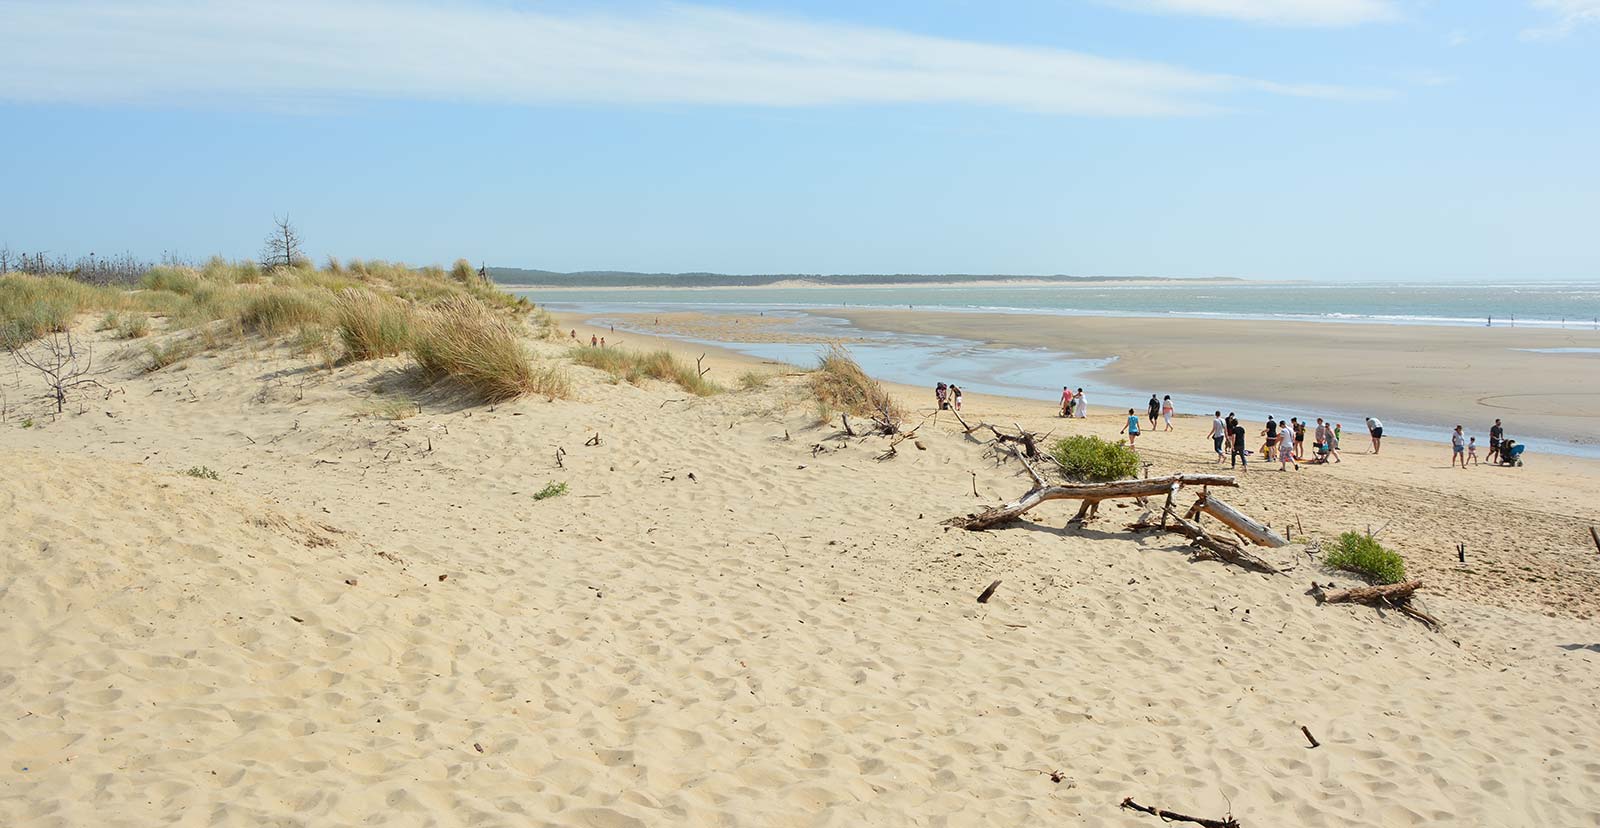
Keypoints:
pixel 274 311
pixel 635 367
pixel 462 342
pixel 164 354
pixel 752 380
pixel 1362 554
pixel 372 326
pixel 32 306
pixel 839 384
pixel 133 326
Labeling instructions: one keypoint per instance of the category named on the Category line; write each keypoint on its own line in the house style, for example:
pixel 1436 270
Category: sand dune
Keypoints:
pixel 368 620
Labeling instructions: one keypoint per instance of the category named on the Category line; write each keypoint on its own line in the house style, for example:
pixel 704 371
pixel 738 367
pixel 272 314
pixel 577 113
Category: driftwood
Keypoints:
pixel 1174 816
pixel 1206 546
pixel 1395 596
pixel 988 592
pixel 1595 533
pixel 1312 739
pixel 1251 530
pixel 1090 493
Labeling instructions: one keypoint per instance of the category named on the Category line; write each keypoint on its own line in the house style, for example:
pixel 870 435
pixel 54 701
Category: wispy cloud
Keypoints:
pixel 1568 14
pixel 1309 13
pixel 182 52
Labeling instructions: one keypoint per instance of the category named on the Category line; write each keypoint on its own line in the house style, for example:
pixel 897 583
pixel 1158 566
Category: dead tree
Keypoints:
pixel 1251 530
pixel 282 247
pixel 1206 546
pixel 1090 493
pixel 63 362
pixel 1395 596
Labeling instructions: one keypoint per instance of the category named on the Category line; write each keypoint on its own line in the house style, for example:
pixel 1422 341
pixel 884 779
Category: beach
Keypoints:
pixel 738 616
pixel 1425 379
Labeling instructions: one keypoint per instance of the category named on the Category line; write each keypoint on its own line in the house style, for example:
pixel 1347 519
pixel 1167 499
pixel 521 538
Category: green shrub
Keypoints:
pixel 370 326
pixel 202 472
pixel 1360 553
pixel 462 341
pixel 1089 458
pixel 32 306
pixel 110 322
pixel 551 490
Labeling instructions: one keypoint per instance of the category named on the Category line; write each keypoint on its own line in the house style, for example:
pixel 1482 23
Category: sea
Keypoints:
pixel 1040 373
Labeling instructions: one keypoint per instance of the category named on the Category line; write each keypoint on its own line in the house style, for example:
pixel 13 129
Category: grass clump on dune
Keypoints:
pixel 1089 458
pixel 32 306
pixel 839 384
pixel 462 342
pixel 277 310
pixel 134 326
pixel 752 380
pixel 1362 554
pixel 162 355
pixel 371 326
pixel 636 367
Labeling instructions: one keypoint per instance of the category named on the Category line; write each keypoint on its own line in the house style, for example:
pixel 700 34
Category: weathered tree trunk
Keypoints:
pixel 1206 546
pixel 1234 519
pixel 1365 595
pixel 1087 492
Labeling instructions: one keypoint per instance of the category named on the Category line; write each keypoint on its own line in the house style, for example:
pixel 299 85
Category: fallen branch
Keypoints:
pixel 1257 533
pixel 988 592
pixel 1394 596
pixel 1309 737
pixel 1206 546
pixel 1090 493
pixel 1174 816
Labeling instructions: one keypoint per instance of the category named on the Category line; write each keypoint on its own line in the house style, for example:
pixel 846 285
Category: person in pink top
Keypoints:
pixel 1066 401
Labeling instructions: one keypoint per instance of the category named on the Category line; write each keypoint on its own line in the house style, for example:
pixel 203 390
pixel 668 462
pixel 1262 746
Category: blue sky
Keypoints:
pixel 1327 139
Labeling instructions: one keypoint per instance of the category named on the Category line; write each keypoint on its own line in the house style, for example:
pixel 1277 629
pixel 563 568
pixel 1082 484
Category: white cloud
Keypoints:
pixel 232 52
pixel 1310 13
pixel 1569 15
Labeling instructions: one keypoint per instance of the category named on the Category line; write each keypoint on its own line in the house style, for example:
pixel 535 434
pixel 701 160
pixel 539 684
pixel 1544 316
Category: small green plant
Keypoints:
pixel 1089 458
pixel 1362 554
pixel 551 490
pixel 27 423
pixel 202 472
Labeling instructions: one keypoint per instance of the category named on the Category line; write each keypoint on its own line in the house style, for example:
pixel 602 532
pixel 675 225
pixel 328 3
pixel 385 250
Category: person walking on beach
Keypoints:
pixel 1082 403
pixel 1286 453
pixel 1239 451
pixel 1338 432
pixel 1472 452
pixel 1269 450
pixel 1219 435
pixel 1132 428
pixel 1375 429
pixel 1066 401
pixel 1497 435
pixel 1155 410
pixel 1166 411
pixel 1458 449
pixel 941 392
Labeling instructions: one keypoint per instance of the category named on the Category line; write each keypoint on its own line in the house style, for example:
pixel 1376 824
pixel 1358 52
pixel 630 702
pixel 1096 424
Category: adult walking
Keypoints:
pixel 1219 435
pixel 1081 402
pixel 1132 428
pixel 1458 449
pixel 1497 435
pixel 1155 410
pixel 1286 453
pixel 1239 450
pixel 1166 411
pixel 1375 430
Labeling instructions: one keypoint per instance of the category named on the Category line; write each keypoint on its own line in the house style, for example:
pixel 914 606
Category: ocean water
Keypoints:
pixel 1037 373
pixel 1542 304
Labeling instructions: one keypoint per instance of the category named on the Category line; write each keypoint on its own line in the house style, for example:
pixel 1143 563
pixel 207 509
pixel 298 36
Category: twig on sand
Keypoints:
pixel 988 592
pixel 1309 737
pixel 1174 816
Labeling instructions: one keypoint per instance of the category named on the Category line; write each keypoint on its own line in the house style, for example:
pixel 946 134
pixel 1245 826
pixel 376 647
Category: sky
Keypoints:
pixel 1287 139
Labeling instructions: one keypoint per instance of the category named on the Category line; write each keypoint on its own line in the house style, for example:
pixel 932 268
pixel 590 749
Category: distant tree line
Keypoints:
pixel 119 269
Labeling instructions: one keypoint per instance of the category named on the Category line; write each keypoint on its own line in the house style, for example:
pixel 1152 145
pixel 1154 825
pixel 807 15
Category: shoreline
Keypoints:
pixel 1215 363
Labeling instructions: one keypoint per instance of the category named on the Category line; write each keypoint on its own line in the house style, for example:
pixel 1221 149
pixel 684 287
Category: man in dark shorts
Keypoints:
pixel 1219 435
pixel 1155 411
pixel 1497 435
pixel 1375 428
pixel 1272 437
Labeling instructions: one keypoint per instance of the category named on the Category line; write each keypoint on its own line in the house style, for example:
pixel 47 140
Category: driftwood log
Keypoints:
pixel 1174 816
pixel 1206 546
pixel 1251 530
pixel 1395 596
pixel 1090 493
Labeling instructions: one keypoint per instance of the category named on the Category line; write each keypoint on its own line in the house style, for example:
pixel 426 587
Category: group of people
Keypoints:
pixel 949 396
pixel 1464 449
pixel 1074 404
pixel 1285 442
pixel 1157 408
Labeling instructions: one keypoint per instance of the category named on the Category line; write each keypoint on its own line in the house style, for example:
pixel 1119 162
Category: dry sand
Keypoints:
pixel 370 621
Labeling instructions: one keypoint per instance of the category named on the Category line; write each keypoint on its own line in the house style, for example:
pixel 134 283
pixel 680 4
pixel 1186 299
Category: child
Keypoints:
pixel 1132 428
pixel 955 395
pixel 1472 452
